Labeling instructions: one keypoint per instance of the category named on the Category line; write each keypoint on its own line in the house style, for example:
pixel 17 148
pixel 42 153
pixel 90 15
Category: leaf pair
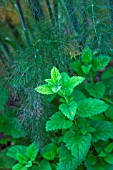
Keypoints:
pixel 89 63
pixel 24 155
pixel 53 83
pixel 86 108
pixel 59 83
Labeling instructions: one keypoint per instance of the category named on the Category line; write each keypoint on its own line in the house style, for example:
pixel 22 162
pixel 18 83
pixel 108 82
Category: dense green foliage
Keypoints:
pixel 66 123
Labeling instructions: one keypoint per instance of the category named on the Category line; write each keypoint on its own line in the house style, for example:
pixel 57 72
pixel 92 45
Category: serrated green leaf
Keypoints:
pixel 49 152
pixel 55 75
pixel 96 90
pixel 66 160
pixel 69 110
pixel 21 158
pixel 50 82
pixel 58 121
pixel 86 69
pixel 100 62
pixel 44 89
pixel 78 144
pixel 87 55
pixel 32 151
pixel 104 130
pixel 75 81
pixel 19 167
pixel 68 84
pixel 12 151
pixel 44 165
pixel 89 107
pixel 109 159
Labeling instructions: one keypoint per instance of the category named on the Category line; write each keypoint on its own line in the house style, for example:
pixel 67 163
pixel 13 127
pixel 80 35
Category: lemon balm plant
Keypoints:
pixel 77 125
pixel 80 130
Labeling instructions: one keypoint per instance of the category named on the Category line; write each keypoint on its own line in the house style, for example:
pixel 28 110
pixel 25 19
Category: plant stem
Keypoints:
pixel 20 13
pixel 111 9
pixel 50 12
pixel 107 100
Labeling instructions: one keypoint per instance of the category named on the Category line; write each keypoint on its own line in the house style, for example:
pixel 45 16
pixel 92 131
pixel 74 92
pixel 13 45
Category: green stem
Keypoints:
pixel 35 162
pixel 107 100
pixel 66 98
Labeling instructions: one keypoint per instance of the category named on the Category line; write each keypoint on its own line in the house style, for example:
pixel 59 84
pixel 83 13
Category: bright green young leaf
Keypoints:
pixel 87 55
pixel 109 158
pixel 44 89
pixel 68 84
pixel 55 89
pixel 75 81
pixel 49 152
pixel 21 158
pixel 72 82
pixel 86 69
pixel 55 75
pixel 78 144
pixel 50 82
pixel 12 151
pixel 32 151
pixel 66 160
pixel 100 62
pixel 19 167
pixel 58 121
pixel 89 107
pixel 44 165
pixel 69 109
pixel 104 130
pixel 96 90
pixel 28 164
